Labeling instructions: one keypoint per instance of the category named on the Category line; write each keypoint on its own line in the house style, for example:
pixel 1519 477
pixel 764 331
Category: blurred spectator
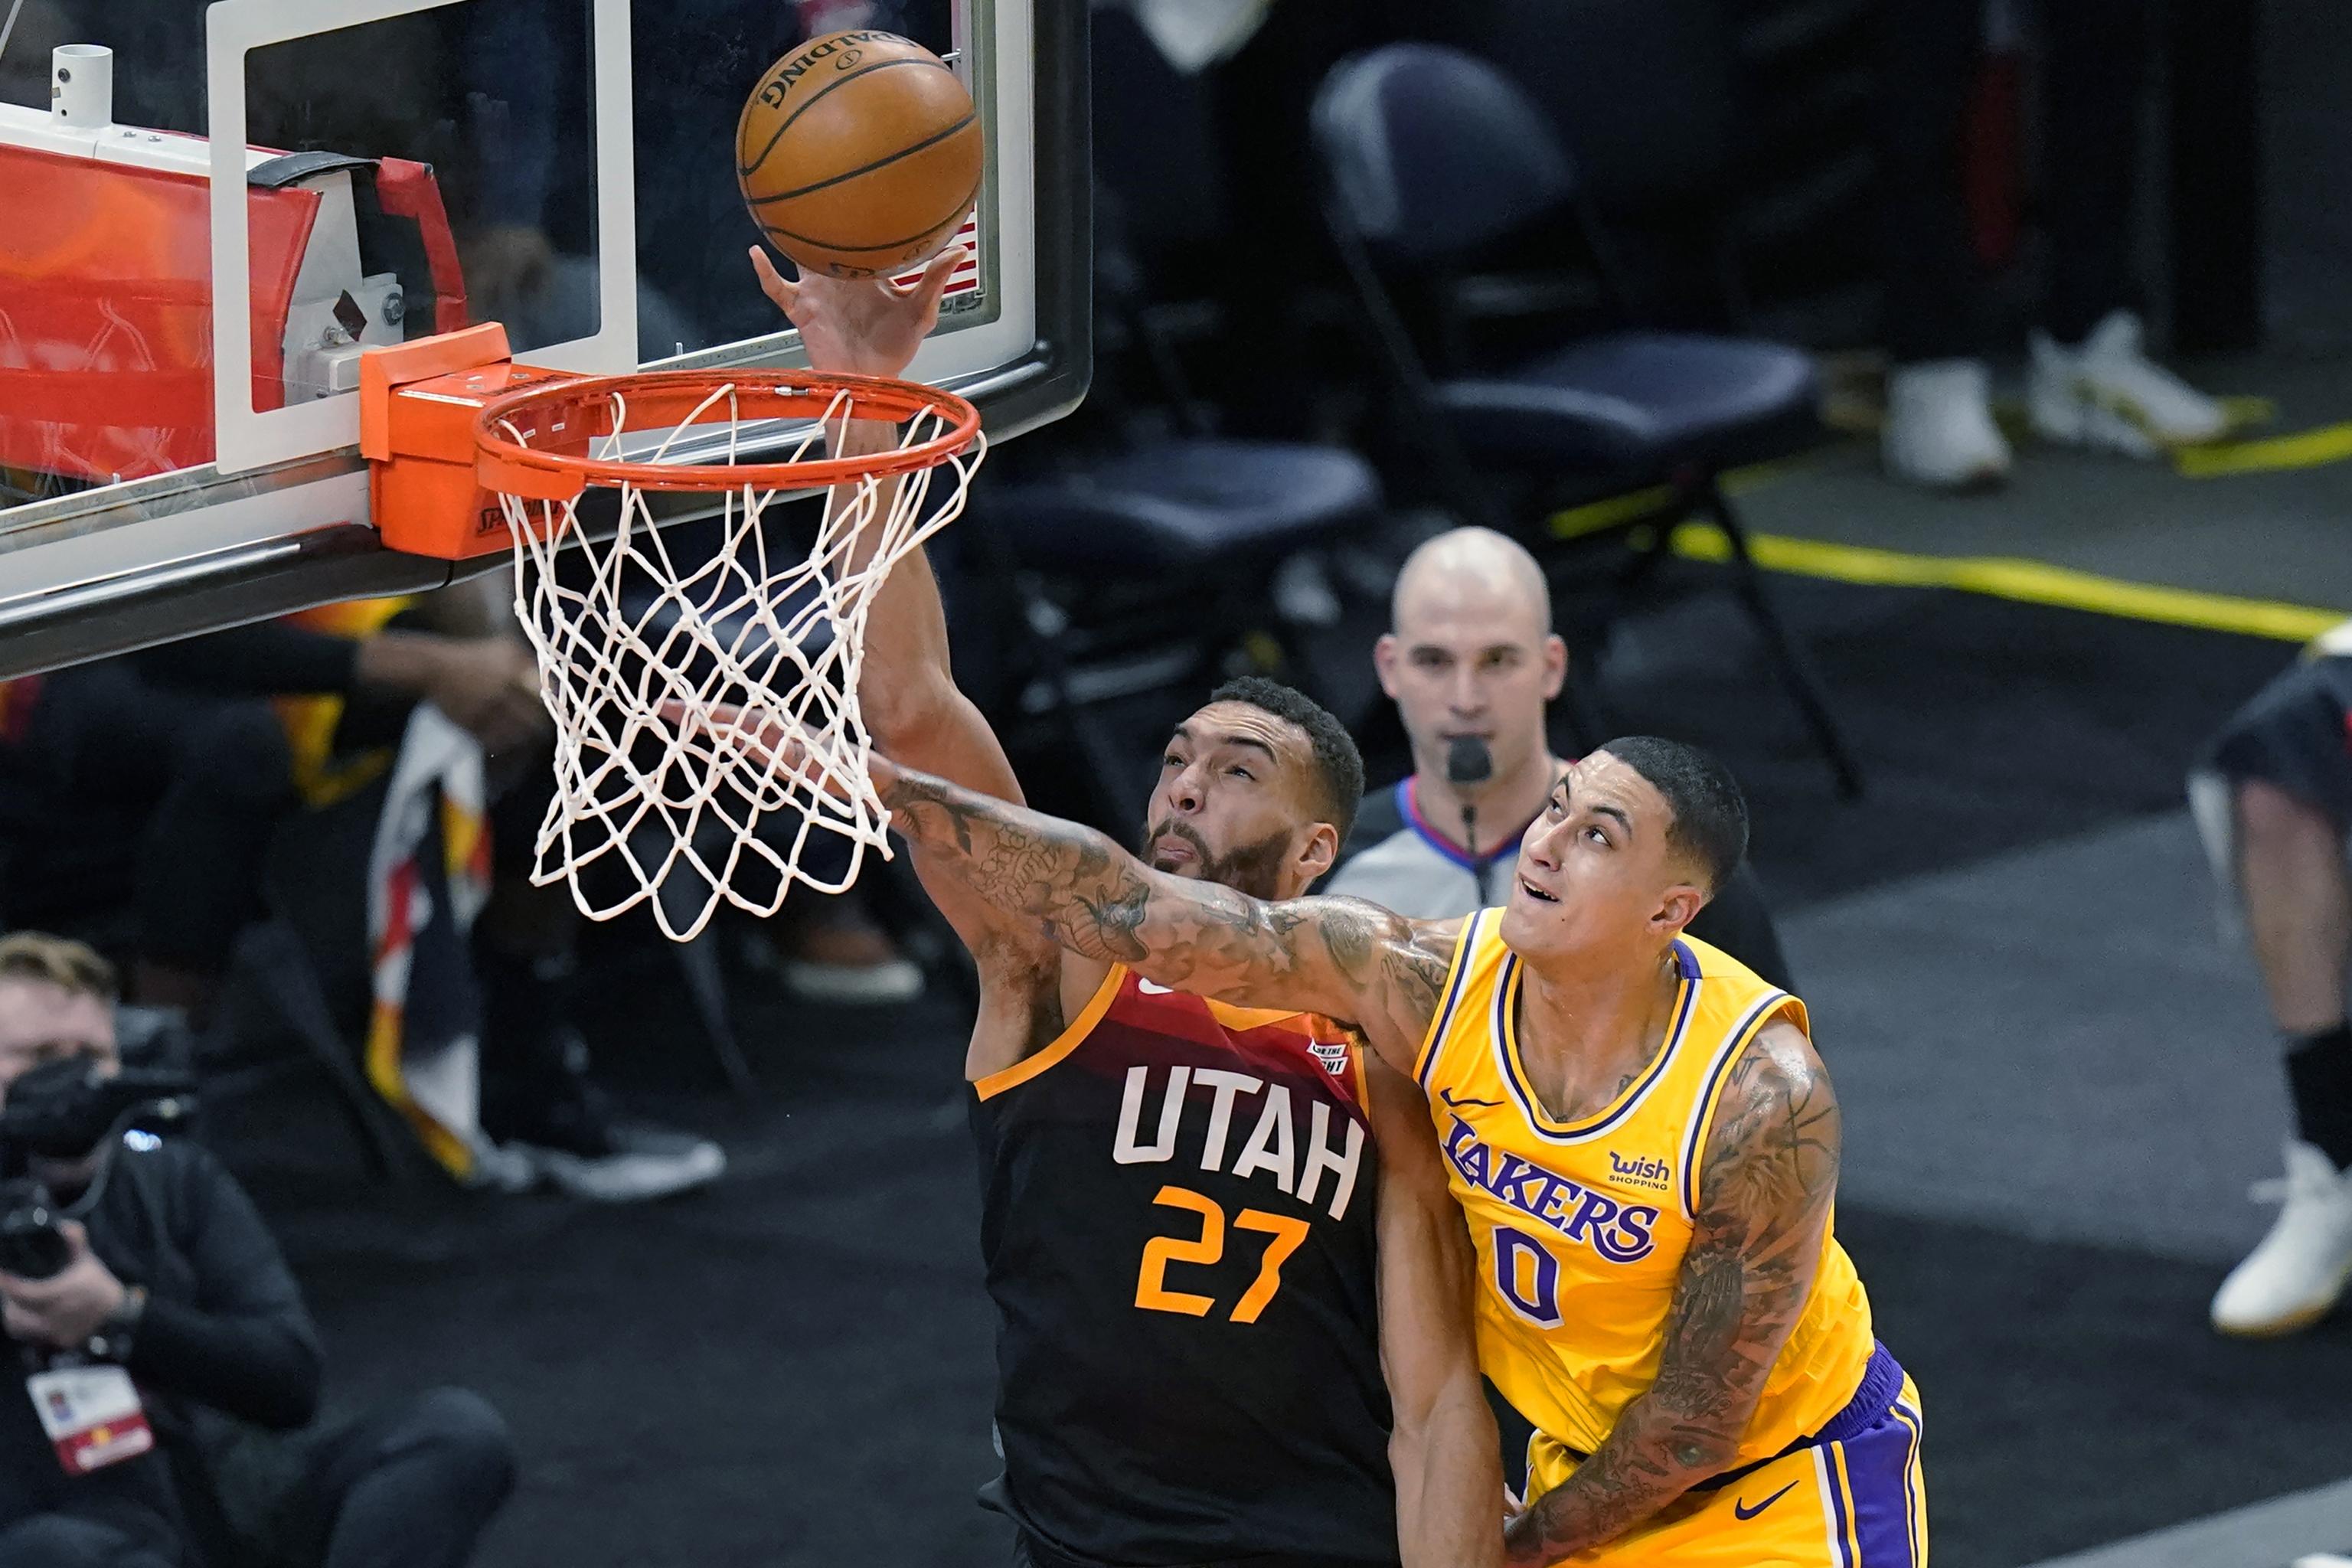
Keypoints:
pixel 184 742
pixel 2286 762
pixel 2090 381
pixel 174 1278
pixel 1471 662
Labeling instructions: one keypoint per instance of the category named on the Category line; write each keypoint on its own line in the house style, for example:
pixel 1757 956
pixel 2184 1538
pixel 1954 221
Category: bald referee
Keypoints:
pixel 1470 661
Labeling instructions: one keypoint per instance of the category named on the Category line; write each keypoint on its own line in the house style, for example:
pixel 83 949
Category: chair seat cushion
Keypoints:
pixel 1182 503
pixel 1641 405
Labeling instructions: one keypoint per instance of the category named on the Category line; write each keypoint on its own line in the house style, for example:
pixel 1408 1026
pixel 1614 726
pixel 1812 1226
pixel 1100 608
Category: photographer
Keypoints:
pixel 170 1277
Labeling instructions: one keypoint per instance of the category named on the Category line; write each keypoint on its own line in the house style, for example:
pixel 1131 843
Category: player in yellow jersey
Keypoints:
pixel 1639 1129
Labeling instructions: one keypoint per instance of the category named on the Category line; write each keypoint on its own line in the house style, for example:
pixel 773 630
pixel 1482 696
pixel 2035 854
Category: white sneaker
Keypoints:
pixel 629 1164
pixel 892 981
pixel 1938 430
pixel 2298 1272
pixel 2109 395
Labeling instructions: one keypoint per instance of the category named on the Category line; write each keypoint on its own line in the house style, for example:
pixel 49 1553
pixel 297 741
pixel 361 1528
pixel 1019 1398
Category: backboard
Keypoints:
pixel 197 250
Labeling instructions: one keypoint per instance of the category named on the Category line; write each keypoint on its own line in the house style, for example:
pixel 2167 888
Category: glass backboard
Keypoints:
pixel 211 212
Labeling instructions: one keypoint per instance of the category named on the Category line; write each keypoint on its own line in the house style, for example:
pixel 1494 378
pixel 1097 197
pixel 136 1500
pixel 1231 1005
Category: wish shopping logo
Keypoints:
pixel 1656 1175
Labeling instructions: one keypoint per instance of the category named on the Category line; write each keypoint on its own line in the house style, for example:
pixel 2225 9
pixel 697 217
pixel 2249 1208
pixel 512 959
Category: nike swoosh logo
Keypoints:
pixel 1447 1095
pixel 1744 1512
pixel 1149 989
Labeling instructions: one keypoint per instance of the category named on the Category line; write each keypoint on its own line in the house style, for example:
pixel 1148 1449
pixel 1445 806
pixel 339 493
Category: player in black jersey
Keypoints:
pixel 1234 1293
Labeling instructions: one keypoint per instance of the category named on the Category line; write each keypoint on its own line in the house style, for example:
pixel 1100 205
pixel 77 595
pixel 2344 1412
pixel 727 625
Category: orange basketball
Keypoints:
pixel 860 153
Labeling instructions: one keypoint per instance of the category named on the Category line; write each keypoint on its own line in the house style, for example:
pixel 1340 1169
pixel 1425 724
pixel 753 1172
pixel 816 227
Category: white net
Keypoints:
pixel 719 615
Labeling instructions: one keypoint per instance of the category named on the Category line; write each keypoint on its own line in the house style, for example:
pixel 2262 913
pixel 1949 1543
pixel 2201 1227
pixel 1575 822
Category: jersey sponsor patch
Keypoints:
pixel 1332 1054
pixel 1654 1174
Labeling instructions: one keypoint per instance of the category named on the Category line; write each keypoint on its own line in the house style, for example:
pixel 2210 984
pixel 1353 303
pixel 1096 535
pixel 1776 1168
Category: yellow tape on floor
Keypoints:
pixel 2027 582
pixel 2303 449
pixel 1571 522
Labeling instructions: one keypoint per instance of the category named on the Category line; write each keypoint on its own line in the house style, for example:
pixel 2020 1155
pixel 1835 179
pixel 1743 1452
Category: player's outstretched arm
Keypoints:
pixel 1340 957
pixel 1765 1192
pixel 1443 1447
pixel 907 689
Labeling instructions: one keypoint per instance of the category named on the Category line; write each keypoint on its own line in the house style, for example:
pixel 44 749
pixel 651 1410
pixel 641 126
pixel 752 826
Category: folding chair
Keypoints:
pixel 1431 156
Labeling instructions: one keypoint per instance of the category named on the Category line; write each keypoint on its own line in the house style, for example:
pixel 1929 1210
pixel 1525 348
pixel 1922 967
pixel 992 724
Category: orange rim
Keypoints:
pixel 579 409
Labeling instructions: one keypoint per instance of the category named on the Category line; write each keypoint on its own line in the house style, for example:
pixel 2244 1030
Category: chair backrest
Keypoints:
pixel 1647 91
pixel 1432 153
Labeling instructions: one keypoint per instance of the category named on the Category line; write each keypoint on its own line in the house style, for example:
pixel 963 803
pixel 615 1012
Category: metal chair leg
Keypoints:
pixel 1078 719
pixel 705 989
pixel 1580 705
pixel 1789 662
pixel 275 956
pixel 705 982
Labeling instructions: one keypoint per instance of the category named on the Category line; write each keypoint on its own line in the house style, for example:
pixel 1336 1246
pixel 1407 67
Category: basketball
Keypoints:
pixel 858 153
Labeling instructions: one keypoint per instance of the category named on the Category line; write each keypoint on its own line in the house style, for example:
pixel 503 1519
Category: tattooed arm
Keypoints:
pixel 1765 1192
pixel 1340 957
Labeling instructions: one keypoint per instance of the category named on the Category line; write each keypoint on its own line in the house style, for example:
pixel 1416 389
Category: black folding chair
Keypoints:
pixel 1432 156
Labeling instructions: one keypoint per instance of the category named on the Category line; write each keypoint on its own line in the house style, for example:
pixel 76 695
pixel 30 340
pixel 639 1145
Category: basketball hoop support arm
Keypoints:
pixel 417 404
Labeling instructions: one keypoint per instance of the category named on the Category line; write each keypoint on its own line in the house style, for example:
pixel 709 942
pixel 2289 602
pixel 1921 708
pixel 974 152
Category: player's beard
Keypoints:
pixel 1252 868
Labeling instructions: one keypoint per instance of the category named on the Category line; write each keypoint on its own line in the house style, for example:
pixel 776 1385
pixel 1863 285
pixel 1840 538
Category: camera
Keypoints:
pixel 65 1111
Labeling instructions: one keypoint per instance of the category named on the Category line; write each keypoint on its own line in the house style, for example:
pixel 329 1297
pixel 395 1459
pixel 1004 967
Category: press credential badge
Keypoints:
pixel 91 1414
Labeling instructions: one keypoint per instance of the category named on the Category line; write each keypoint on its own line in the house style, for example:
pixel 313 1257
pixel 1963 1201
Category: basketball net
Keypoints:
pixel 688 816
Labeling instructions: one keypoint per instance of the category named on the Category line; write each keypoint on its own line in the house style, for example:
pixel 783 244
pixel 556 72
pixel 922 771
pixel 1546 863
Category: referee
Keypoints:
pixel 1471 662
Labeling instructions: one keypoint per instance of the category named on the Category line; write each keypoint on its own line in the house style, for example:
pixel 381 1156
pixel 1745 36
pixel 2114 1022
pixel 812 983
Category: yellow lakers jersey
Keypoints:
pixel 1581 1227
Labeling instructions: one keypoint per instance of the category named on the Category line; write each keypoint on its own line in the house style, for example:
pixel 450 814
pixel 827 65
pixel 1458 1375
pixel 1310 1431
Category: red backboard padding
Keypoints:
pixel 106 313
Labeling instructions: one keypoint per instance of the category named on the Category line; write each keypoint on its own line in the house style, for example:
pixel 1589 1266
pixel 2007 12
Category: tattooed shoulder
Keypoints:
pixel 1383 953
pixel 1777 1135
pixel 1424 958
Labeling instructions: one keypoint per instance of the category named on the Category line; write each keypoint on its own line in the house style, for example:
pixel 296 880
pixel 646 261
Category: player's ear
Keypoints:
pixel 1321 849
pixel 1678 907
pixel 1555 656
pixel 1384 660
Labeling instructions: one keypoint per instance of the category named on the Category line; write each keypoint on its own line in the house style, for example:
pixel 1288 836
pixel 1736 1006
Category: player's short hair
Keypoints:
pixel 1710 814
pixel 59 961
pixel 1338 766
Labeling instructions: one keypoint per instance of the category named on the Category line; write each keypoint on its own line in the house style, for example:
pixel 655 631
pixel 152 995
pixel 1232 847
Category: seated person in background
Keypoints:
pixel 1470 661
pixel 174 1278
pixel 209 743
pixel 2280 821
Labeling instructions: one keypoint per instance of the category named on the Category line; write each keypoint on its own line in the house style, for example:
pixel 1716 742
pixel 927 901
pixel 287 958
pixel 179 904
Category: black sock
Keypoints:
pixel 2319 1077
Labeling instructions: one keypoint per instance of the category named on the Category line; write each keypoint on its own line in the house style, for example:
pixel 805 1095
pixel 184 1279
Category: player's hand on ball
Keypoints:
pixel 864 326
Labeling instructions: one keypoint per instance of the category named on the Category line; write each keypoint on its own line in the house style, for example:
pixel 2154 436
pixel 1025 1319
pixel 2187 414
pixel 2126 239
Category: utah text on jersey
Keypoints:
pixel 1277 1149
